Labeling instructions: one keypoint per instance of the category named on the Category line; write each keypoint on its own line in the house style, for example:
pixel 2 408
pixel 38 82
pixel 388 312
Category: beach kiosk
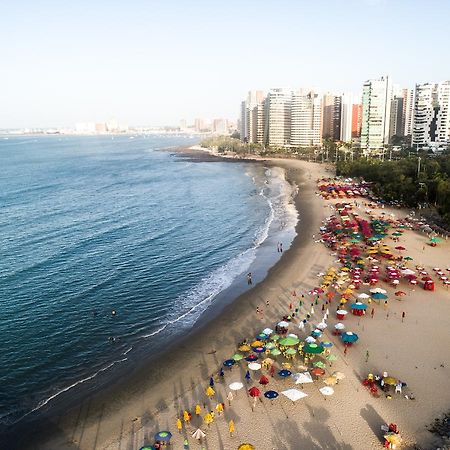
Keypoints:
pixel 358 308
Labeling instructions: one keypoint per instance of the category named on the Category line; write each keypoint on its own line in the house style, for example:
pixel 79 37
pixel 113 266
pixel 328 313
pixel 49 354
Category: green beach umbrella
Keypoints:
pixel 275 337
pixel 331 357
pixel 319 364
pixel 408 258
pixel 396 233
pixel 313 348
pixel 291 351
pixel 270 346
pixel 275 352
pixel 372 238
pixel 435 240
pixel 289 341
pixel 237 357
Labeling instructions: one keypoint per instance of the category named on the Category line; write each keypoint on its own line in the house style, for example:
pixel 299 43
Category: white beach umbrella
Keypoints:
pixel 408 272
pixel 267 331
pixel 321 326
pixel 327 390
pixel 293 335
pixel 235 386
pixel 339 326
pixel 302 378
pixel 364 296
pixel 254 366
pixel 294 394
pixel 198 434
pixel 283 324
pixel 310 340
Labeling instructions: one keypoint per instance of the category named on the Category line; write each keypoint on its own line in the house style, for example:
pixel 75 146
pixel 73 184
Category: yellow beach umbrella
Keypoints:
pixel 210 391
pixel 330 381
pixel 208 418
pixel 231 427
pixel 244 348
pixel 179 425
pixel 257 344
pixel 219 408
pixel 198 409
pixel 186 416
pixel 246 447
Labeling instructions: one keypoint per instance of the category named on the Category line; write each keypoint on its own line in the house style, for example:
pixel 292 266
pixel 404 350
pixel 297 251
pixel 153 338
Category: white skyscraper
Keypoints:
pixel 248 121
pixel 431 127
pixel 346 117
pixel 408 110
pixel 306 119
pixel 277 117
pixel 376 108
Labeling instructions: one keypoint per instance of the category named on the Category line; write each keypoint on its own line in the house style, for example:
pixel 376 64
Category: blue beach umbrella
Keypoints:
pixel 284 373
pixel 349 337
pixel 229 362
pixel 359 305
pixel 262 336
pixel 379 296
pixel 211 382
pixel 316 333
pixel 259 349
pixel 327 344
pixel 271 394
pixel 163 436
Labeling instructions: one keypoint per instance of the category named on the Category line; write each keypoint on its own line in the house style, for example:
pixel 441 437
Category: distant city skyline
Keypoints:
pixel 151 63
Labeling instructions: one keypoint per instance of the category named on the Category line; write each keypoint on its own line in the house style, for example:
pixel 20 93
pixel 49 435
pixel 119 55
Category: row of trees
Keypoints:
pixel 414 181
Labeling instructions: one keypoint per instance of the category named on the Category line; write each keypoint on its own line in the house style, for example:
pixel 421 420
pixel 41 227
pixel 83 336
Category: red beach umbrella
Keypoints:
pixel 400 293
pixel 318 371
pixel 400 248
pixel 263 380
pixel 254 392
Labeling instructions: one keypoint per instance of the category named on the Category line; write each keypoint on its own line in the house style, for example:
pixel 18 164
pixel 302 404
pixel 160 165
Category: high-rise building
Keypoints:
pixel 254 98
pixel 397 119
pixel 356 120
pixel 331 128
pixel 277 117
pixel 346 117
pixel 256 124
pixel 408 111
pixel 431 127
pixel 220 126
pixel 376 112
pixel 306 119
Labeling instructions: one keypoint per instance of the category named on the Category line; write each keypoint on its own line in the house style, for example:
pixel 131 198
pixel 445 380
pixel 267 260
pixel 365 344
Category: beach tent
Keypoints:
pixel 294 394
pixel 327 390
pixel 302 378
pixel 198 434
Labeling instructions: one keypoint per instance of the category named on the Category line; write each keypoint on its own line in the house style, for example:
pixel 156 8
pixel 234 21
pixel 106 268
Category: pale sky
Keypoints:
pixel 154 62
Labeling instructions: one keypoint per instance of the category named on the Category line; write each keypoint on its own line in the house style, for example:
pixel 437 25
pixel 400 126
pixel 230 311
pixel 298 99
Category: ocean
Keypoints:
pixel 112 246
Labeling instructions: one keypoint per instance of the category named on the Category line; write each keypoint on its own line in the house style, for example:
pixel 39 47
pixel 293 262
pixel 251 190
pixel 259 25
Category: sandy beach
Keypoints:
pixel 415 350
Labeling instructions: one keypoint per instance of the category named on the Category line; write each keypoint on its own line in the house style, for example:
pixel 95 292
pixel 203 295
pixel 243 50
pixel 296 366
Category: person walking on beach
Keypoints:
pixel 345 350
pixel 403 316
pixel 372 313
pixel 281 247
pixel 367 355
pixel 249 278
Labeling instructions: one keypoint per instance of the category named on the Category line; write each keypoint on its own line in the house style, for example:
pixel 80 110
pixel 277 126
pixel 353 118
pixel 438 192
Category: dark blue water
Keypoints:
pixel 91 225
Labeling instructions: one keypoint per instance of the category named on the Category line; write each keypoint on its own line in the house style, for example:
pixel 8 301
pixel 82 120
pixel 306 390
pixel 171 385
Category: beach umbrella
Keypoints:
pixel 267 331
pixel 283 324
pixel 147 447
pixel 275 337
pixel 254 366
pixel 275 352
pixel 407 258
pixel 435 240
pixel 270 345
pixel 321 326
pixel 408 272
pixel 244 348
pixel 330 381
pixel 288 341
pixel 291 351
pixel 211 382
pixel 349 337
pixel 210 391
pixel 316 333
pixel 390 381
pixel 271 394
pixel 359 305
pixel 327 344
pixel 302 378
pixel 327 390
pixel 263 380
pixel 310 340
pixel 251 358
pixel 338 375
pixel 208 418
pixel 363 296
pixel 294 394
pixel 400 293
pixel 258 349
pixel 378 291
pixel 284 373
pixel 339 326
pixel 313 348
pixel 163 436
pixel 257 343
pixel 198 434
pixel 262 336
pixel 379 296
pixel 246 447
pixel 237 357
pixel 317 371
pixel 319 364
pixel 254 392
pixel 268 361
pixel 229 362
pixel 236 385
pixel 331 357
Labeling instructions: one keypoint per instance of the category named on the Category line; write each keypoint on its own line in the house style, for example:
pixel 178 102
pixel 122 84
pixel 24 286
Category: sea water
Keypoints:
pixel 109 245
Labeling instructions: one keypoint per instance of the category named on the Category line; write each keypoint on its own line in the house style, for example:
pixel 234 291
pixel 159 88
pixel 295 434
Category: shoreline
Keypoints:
pixel 95 395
